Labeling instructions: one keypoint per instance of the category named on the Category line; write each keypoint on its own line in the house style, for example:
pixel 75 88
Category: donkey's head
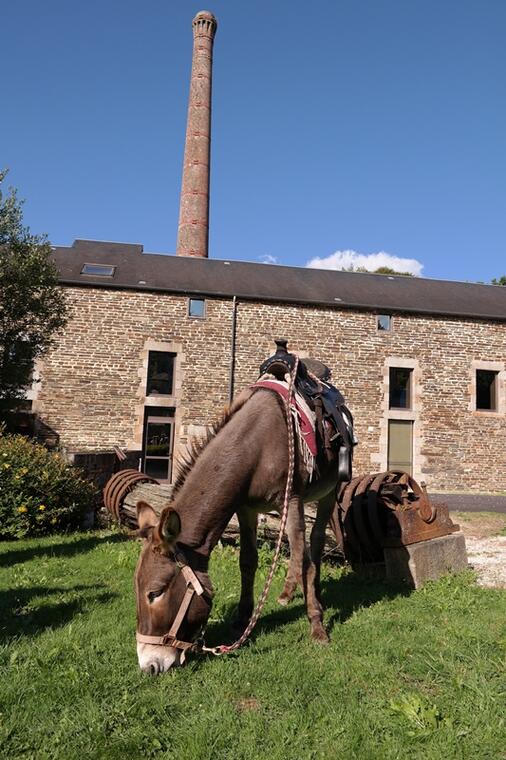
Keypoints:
pixel 168 613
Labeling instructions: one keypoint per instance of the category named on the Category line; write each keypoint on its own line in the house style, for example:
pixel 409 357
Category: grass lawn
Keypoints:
pixel 407 675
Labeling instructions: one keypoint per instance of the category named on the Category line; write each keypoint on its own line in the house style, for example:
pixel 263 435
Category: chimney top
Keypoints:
pixel 204 24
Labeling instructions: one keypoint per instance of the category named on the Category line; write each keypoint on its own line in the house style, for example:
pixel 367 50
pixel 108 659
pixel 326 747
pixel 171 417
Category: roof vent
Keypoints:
pixel 98 270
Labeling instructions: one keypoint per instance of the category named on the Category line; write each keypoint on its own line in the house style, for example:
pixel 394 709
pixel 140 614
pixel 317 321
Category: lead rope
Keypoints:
pixel 223 649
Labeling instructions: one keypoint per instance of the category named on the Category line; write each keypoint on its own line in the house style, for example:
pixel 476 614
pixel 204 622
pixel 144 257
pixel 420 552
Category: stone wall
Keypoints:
pixel 93 382
pixel 99 466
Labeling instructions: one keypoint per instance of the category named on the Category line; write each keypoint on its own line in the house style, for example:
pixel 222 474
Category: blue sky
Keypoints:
pixel 365 125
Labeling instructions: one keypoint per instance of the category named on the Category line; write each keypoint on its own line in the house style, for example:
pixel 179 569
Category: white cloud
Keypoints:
pixel 266 258
pixel 370 261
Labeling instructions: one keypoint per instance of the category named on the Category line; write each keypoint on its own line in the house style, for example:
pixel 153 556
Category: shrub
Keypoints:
pixel 40 493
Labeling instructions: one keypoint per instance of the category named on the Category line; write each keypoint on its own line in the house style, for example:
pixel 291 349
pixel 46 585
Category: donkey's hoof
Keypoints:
pixel 239 625
pixel 284 600
pixel 319 634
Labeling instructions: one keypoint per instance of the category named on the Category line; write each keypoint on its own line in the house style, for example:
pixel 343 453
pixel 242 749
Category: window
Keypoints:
pixel 160 373
pixel 197 308
pixel 158 442
pixel 384 322
pixel 99 270
pixel 400 388
pixel 486 390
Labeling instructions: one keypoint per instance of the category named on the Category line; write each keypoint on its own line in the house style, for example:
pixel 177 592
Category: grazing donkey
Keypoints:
pixel 241 467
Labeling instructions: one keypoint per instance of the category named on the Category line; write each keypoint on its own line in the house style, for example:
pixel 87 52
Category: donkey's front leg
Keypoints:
pixel 302 570
pixel 248 563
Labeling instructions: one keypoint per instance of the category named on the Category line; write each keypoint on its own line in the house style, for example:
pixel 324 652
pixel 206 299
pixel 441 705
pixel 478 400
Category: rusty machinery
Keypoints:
pixel 118 486
pixel 386 509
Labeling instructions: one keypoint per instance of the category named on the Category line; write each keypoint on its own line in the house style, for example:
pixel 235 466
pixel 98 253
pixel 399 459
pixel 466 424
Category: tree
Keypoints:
pixel 379 270
pixel 388 270
pixel 499 280
pixel 32 305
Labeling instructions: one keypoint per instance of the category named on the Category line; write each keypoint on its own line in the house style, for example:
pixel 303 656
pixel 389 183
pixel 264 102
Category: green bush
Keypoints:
pixel 39 492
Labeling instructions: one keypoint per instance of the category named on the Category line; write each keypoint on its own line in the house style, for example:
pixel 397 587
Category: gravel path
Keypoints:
pixel 485 536
pixel 488 557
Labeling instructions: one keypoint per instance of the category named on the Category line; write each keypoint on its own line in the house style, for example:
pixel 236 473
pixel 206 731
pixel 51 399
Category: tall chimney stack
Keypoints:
pixel 193 229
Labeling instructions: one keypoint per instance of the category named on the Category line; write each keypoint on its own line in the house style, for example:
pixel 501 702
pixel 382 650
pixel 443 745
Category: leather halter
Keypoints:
pixel 193 586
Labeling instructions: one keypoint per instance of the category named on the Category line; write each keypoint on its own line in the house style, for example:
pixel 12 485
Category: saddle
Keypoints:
pixel 334 421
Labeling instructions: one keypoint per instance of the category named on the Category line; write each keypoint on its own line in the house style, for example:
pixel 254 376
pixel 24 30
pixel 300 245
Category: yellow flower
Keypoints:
pixel 42 507
pixel 22 508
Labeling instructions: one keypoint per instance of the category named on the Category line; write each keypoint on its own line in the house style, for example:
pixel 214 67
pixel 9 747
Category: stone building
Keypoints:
pixel 156 344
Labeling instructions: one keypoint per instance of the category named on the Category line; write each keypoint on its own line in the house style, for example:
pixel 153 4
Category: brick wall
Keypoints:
pixel 92 386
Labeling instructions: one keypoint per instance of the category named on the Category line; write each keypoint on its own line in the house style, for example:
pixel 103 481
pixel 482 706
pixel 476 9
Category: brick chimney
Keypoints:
pixel 193 228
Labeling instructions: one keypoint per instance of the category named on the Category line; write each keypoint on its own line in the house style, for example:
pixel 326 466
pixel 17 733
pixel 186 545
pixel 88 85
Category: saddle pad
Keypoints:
pixel 305 417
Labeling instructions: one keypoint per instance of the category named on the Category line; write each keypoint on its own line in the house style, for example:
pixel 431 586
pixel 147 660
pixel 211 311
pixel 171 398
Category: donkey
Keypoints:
pixel 241 467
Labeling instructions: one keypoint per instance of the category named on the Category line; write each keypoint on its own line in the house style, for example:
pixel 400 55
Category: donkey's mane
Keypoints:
pixel 196 446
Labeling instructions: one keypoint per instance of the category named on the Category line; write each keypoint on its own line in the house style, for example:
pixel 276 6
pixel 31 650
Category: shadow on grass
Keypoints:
pixel 20 618
pixel 342 598
pixel 67 549
pixel 350 593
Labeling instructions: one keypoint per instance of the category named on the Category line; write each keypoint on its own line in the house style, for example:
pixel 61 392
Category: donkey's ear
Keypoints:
pixel 170 526
pixel 146 518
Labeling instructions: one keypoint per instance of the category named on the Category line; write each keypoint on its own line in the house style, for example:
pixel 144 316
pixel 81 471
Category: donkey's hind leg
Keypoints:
pixel 317 540
pixel 294 573
pixel 302 570
pixel 248 563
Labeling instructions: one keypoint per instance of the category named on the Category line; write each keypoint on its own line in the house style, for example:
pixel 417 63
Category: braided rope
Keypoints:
pixel 223 649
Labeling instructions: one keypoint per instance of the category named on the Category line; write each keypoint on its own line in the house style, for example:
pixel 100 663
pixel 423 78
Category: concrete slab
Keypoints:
pixel 426 560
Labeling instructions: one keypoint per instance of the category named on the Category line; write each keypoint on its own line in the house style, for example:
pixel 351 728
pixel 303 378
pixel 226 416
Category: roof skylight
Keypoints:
pixel 99 270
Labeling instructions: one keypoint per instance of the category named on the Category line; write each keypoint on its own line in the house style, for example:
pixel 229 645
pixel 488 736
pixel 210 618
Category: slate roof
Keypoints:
pixel 136 270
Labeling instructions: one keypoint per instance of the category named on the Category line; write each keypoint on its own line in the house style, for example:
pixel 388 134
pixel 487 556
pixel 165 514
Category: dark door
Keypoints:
pixel 159 439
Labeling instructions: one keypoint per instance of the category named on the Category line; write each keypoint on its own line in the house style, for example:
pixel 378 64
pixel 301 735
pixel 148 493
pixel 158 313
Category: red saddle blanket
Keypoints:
pixel 300 410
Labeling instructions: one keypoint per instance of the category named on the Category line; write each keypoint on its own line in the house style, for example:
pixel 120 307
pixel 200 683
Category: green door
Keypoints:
pixel 400 445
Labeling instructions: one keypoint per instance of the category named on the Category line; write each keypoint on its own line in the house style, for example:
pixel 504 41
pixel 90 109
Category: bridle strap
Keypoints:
pixel 183 608
pixel 192 579
pixel 193 586
pixel 164 641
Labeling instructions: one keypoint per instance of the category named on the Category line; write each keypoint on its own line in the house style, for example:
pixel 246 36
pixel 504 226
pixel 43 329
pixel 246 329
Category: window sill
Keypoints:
pixel 160 400
pixel 401 414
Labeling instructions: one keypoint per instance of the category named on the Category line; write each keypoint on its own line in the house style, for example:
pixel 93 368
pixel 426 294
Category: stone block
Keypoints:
pixel 426 560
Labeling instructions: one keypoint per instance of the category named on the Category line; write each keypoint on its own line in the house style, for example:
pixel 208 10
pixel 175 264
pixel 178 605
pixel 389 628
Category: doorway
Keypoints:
pixel 158 443
pixel 400 445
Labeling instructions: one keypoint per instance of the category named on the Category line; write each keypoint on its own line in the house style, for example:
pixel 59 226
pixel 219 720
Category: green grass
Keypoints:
pixel 418 675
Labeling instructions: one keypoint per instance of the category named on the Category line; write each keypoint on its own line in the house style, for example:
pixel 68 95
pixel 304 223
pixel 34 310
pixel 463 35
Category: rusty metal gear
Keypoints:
pixel 119 485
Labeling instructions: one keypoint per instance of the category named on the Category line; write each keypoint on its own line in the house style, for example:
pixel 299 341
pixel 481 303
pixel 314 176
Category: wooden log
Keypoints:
pixel 158 496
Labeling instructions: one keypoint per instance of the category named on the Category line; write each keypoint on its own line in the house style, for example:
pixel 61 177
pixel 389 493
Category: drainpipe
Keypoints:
pixel 232 350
